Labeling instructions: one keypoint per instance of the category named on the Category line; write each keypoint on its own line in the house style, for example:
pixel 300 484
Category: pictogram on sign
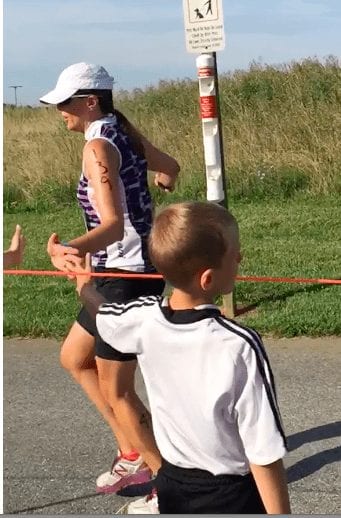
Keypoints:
pixel 207 11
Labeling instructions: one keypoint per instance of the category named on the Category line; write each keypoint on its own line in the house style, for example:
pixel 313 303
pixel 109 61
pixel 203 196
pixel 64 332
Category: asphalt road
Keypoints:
pixel 55 443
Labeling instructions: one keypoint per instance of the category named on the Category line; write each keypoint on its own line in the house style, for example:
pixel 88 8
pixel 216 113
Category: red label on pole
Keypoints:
pixel 208 107
pixel 206 72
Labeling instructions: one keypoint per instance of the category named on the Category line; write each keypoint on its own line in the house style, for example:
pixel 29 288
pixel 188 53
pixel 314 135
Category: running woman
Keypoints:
pixel 114 196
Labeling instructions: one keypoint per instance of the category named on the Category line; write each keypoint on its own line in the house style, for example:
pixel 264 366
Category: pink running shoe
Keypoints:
pixel 123 473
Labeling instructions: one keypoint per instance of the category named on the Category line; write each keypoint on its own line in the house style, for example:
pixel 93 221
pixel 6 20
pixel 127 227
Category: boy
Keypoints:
pixel 208 379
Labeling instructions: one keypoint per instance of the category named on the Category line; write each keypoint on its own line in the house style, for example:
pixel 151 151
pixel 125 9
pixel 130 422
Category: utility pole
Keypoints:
pixel 15 92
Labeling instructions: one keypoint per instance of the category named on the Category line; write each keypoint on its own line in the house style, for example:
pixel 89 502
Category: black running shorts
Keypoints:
pixel 116 289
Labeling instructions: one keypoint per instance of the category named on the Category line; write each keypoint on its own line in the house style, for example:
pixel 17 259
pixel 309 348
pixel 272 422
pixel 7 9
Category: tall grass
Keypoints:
pixel 281 131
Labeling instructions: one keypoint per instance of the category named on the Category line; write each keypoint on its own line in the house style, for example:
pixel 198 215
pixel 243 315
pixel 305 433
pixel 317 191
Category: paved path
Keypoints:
pixel 55 443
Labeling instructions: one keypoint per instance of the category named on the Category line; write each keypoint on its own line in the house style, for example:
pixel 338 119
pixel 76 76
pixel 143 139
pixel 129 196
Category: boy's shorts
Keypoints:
pixel 116 289
pixel 195 491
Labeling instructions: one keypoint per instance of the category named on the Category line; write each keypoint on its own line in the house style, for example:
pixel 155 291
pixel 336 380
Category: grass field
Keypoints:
pixel 295 238
pixel 281 131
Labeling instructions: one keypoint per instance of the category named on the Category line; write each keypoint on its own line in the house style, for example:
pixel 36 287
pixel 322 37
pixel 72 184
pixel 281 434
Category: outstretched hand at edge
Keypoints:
pixel 13 256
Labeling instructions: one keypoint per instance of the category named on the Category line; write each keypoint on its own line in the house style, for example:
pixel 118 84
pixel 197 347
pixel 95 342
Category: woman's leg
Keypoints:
pixel 117 378
pixel 77 357
pixel 117 382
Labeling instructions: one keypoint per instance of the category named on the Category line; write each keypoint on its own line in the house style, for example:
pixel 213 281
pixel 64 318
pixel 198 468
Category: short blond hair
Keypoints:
pixel 187 237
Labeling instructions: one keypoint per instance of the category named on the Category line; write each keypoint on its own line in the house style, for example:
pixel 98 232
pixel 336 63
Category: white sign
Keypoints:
pixel 204 25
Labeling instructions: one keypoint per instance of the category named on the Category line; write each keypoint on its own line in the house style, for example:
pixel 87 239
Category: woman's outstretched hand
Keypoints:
pixel 62 256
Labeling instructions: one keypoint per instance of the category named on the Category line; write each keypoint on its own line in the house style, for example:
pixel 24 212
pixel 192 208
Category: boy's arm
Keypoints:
pixel 272 486
pixel 259 424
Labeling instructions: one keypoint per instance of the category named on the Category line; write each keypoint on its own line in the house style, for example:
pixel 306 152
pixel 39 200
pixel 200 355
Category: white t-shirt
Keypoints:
pixel 208 381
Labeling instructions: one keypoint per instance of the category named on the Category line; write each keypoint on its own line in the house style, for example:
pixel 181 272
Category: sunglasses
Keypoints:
pixel 68 101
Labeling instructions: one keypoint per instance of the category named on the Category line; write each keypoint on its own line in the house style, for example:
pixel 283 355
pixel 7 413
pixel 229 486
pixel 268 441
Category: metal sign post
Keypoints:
pixel 204 32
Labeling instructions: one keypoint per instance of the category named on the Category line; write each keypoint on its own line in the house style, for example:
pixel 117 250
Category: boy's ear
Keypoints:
pixel 206 279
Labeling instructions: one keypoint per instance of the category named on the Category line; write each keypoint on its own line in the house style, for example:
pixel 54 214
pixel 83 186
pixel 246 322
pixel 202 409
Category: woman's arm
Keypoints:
pixel 101 161
pixel 166 168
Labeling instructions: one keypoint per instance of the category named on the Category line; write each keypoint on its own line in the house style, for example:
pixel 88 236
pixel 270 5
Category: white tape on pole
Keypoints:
pixel 210 128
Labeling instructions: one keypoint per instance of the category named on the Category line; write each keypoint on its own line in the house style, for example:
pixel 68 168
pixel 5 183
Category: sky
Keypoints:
pixel 142 41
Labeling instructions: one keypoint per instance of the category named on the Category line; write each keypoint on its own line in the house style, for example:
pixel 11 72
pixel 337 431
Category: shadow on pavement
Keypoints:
pixel 310 465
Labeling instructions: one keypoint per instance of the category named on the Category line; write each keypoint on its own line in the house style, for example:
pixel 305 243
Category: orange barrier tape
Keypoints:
pixel 248 278
pixel 253 278
pixel 93 274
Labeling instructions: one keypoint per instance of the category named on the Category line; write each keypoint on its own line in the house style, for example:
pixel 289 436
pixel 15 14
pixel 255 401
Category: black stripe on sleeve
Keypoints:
pixel 119 308
pixel 257 346
pixel 258 340
pixel 261 346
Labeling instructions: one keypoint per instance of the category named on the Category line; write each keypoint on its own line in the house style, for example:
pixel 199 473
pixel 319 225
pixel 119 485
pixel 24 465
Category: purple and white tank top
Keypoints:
pixel 131 252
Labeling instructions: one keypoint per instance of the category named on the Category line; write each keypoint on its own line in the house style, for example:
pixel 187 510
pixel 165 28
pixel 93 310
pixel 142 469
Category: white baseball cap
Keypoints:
pixel 80 76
